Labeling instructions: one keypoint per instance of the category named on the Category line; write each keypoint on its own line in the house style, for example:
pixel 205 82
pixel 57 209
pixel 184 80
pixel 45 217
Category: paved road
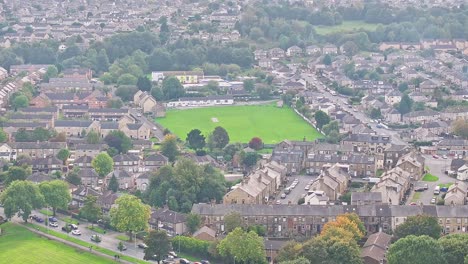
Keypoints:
pixel 342 101
pixel 297 192
pixel 158 132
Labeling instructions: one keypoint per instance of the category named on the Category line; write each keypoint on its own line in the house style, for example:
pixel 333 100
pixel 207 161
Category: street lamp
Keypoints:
pixel 235 259
pixel 271 253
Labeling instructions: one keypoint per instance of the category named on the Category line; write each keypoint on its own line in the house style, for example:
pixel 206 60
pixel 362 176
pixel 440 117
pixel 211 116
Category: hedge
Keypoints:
pixel 191 245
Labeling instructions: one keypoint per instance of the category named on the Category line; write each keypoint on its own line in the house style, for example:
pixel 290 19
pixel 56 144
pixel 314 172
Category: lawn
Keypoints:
pixel 83 243
pixel 46 212
pixel 430 178
pixel 347 26
pixel 270 123
pixel 97 229
pixel 70 220
pixel 123 238
pixel 446 185
pixel 19 245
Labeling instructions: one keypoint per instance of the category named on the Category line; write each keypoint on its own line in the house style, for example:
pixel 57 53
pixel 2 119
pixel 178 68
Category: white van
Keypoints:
pixel 437 190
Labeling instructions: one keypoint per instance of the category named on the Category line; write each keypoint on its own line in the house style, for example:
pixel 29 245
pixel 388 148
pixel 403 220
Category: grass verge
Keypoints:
pixel 70 220
pixel 46 212
pixel 96 229
pixel 83 243
pixel 430 178
pixel 123 238
pixel 416 197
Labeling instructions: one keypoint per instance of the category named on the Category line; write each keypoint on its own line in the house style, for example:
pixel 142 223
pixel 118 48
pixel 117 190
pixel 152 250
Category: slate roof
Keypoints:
pixel 156 157
pixel 168 216
pixel 40 145
pixel 110 125
pixel 73 123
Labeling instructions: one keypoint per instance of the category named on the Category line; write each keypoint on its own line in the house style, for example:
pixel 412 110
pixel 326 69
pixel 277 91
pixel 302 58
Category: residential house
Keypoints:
pixel 462 173
pixel 41 149
pixel 422 116
pixel 393 185
pixel 313 50
pixel 329 49
pixel 48 164
pixel 276 53
pixel 394 97
pixel 172 222
pixel 106 114
pixel 79 195
pixel 84 149
pixel 366 198
pixel 125 180
pixel 107 200
pixel 205 233
pixel 356 164
pixel 367 143
pixel 155 162
pixel 75 127
pixel 89 177
pixel 413 163
pixel 294 51
pixel 393 153
pixel 83 162
pixel 107 127
pixel 38 177
pixel 7 153
pixel 316 197
pixel 127 162
pixel 333 182
pixel 457 194
pixel 375 249
pixel 142 181
pixel 146 102
pixel 137 131
pixel 451 147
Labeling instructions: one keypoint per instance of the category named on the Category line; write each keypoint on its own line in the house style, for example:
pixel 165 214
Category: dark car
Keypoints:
pixel 66 229
pixel 52 219
pixel 39 220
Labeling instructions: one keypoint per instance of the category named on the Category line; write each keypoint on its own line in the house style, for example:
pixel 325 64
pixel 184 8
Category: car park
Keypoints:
pixel 76 232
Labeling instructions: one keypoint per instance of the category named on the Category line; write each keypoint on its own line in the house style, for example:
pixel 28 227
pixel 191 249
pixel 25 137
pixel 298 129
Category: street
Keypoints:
pixel 298 191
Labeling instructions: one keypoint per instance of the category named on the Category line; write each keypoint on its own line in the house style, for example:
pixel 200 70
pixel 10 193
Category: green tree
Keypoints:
pixel 321 118
pixel 169 147
pixel 193 222
pixel 144 84
pixel 455 247
pixel 249 159
pixel 103 164
pixel 249 85
pixel 90 210
pixel 327 59
pixel 20 101
pixel 102 61
pixel 290 250
pixel 114 103
pixel 220 137
pixel 126 92
pixel 416 250
pixel 300 260
pixel 158 245
pixel 195 139
pixel 93 137
pixel 3 136
pixel 16 173
pixel 21 197
pixel 419 225
pixel 113 184
pixel 460 128
pixel 63 155
pixel 232 221
pixel 251 250
pixel 263 91
pixel 127 79
pixel 120 246
pixel 405 105
pixel 51 72
pixel 130 214
pixel 119 140
pixel 160 60
pixel 56 194
pixel 172 88
pixel 375 113
pixel 73 178
pixel 333 126
pixel 332 250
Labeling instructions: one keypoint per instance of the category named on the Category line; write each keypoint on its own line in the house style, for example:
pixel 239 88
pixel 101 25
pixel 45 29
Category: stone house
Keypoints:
pixel 293 51
pixel 88 176
pixel 205 233
pixel 107 200
pixel 457 194
pixel 413 163
pixel 79 195
pixel 366 198
pixel 142 181
pixel 137 131
pixel 41 149
pixel 7 153
pixel 84 149
pixel 367 143
pixel 393 185
pixel 124 178
pixel 127 162
pixel 393 97
pixel 422 116
pixel 48 164
pixel 173 223
pixel 393 153
pixel 333 182
pixel 75 127
pixel 83 162
pixel 375 249
pixel 155 162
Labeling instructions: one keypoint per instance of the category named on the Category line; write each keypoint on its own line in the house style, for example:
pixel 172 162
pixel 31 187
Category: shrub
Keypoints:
pixel 191 245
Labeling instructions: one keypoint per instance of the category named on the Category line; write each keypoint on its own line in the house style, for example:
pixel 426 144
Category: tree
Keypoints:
pixel 120 246
pixel 256 143
pixel 249 85
pixel 195 139
pixel 350 48
pixel 51 72
pixel 16 173
pixel 455 247
pixel 415 250
pixel 90 210
pixel 344 223
pixel 21 197
pixel 290 250
pixel 118 140
pixel 172 88
pixel 160 60
pixel 113 184
pixel 127 79
pixel 144 84
pixel 103 164
pixel 327 59
pixel 56 194
pixel 460 128
pixel 405 104
pixel 232 221
pixel 169 147
pixel 333 126
pixel 114 103
pixel 3 136
pixel 263 91
pixel 220 137
pixel 249 159
pixel 158 245
pixel 250 250
pixel 333 249
pixel 130 214
pixel 321 118
pixel 375 113
pixel 93 137
pixel 193 222
pixel 73 177
pixel 419 225
pixel 300 260
pixel 126 92
pixel 63 155
pixel 20 101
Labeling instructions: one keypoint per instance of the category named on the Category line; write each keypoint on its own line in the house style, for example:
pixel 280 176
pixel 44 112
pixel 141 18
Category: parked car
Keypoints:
pixel 66 229
pixel 96 238
pixel 307 187
pixel 435 156
pixel 76 232
pixel 173 254
pixel 444 156
pixel 39 220
pixel 283 196
pixel 142 245
pixel 184 261
pixel 53 224
pixel 278 202
pixel 53 219
pixel 433 200
pixel 73 226
pixel 205 262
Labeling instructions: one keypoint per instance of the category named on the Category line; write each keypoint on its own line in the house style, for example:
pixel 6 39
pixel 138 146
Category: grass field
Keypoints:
pixel 347 26
pixel 19 245
pixel 242 123
pixel 430 178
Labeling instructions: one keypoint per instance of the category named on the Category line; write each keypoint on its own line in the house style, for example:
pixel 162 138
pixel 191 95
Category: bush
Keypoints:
pixel 191 245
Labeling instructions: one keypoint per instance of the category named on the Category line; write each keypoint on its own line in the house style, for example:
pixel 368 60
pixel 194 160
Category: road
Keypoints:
pixel 342 101
pixel 297 192
pixel 158 132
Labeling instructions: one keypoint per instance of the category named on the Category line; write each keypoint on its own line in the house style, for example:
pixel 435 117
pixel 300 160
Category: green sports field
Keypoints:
pixel 19 245
pixel 346 26
pixel 270 123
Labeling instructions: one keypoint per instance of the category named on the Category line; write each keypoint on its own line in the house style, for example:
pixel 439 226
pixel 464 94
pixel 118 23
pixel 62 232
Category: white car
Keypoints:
pixel 53 224
pixel 433 200
pixel 307 187
pixel 278 202
pixel 444 156
pixel 76 232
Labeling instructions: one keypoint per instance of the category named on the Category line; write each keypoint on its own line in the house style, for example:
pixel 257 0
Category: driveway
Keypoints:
pixel 297 192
